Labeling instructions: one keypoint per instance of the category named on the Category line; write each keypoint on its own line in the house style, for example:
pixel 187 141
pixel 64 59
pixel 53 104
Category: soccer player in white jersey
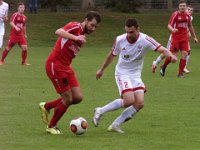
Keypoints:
pixel 3 17
pixel 131 47
pixel 190 10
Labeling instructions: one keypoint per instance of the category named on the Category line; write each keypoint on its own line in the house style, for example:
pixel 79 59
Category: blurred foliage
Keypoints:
pixel 125 6
pixel 54 4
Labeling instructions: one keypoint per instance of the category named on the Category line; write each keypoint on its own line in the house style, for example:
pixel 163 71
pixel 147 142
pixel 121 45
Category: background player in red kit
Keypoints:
pixel 17 34
pixel 58 68
pixel 179 23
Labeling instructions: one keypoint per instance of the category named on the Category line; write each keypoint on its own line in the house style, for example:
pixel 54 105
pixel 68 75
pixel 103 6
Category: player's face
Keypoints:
pixel 182 7
pixel 21 9
pixel 190 10
pixel 132 32
pixel 90 26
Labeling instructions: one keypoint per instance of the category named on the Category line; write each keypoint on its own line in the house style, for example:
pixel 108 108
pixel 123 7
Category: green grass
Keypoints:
pixel 169 121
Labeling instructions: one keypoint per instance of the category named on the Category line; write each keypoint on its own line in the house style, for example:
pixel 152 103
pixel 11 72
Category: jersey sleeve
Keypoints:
pixel 72 28
pixel 6 13
pixel 115 48
pixel 151 43
pixel 13 17
pixel 172 19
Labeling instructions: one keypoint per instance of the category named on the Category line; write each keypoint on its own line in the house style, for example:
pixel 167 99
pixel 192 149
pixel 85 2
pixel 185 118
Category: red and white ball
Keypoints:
pixel 78 125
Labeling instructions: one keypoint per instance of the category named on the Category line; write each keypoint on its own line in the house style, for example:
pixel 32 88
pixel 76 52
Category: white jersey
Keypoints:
pixel 3 12
pixel 131 55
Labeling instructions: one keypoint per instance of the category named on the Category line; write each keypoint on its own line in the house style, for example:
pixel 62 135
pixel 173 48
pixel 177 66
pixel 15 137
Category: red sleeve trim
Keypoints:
pixel 157 48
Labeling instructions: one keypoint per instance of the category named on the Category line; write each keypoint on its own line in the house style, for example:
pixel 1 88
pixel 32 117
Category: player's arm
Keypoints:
pixel 107 62
pixel 171 29
pixel 61 32
pixel 167 53
pixel 192 32
pixel 14 26
pixel 24 31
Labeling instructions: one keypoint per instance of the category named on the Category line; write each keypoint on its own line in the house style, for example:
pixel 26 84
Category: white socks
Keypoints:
pixel 187 59
pixel 116 104
pixel 158 60
pixel 127 114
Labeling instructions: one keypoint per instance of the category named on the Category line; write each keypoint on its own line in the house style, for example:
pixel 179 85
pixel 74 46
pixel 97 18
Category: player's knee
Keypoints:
pixel 139 106
pixel 129 102
pixel 77 99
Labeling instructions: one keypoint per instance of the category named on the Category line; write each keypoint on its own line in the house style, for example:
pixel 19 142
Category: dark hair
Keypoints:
pixel 93 14
pixel 20 3
pixel 132 22
pixel 181 1
pixel 190 6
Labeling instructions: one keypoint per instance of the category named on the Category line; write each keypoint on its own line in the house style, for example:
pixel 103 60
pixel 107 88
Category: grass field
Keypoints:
pixel 169 121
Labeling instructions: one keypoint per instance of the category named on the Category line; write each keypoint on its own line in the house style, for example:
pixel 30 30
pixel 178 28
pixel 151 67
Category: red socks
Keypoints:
pixel 24 56
pixel 52 104
pixel 182 66
pixel 59 111
pixel 4 54
pixel 167 61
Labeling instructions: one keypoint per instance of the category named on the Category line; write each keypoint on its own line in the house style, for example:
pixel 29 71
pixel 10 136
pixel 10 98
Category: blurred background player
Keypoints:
pixel 17 34
pixel 3 18
pixel 131 47
pixel 71 37
pixel 179 23
pixel 161 57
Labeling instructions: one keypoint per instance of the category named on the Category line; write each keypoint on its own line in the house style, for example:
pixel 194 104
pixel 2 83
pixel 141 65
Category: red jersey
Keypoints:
pixel 20 21
pixel 66 49
pixel 181 22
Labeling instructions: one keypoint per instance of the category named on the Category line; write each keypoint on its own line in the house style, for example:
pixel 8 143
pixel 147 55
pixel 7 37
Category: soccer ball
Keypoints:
pixel 78 125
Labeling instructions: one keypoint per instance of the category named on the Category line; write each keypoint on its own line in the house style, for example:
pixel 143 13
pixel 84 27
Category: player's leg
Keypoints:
pixel 24 55
pixel 10 45
pixel 187 59
pixel 124 85
pixel 184 47
pixel 23 44
pixel 174 48
pixel 182 63
pixel 156 62
pixel 129 112
pixel 1 41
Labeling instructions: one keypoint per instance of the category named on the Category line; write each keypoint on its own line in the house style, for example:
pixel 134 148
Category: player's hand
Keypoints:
pixel 99 74
pixel 17 29
pixel 81 38
pixel 196 40
pixel 25 36
pixel 174 30
pixel 5 18
pixel 173 58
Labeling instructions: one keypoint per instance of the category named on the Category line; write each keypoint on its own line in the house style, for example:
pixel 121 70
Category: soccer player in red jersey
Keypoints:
pixel 17 34
pixel 58 68
pixel 179 23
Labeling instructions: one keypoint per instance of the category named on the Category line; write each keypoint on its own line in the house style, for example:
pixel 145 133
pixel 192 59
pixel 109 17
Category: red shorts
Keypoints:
pixel 21 40
pixel 62 77
pixel 177 45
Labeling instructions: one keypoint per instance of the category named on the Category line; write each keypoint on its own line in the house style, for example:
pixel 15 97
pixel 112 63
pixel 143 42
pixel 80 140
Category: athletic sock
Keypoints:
pixel 116 104
pixel 24 56
pixel 126 115
pixel 167 61
pixel 158 60
pixel 59 111
pixel 52 104
pixel 4 54
pixel 187 59
pixel 181 66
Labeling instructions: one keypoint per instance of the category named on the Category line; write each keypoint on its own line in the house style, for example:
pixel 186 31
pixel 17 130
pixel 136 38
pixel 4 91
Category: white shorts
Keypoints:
pixel 1 41
pixel 127 83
